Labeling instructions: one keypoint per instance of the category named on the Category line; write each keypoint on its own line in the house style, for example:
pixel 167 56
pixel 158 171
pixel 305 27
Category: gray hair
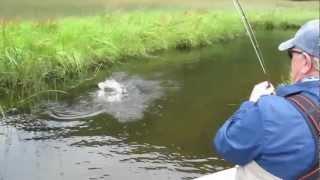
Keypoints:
pixel 316 63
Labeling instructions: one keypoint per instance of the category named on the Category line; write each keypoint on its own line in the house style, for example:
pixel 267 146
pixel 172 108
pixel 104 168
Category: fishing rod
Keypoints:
pixel 251 34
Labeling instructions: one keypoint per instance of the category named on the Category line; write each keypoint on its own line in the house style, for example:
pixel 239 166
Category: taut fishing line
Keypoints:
pixel 251 34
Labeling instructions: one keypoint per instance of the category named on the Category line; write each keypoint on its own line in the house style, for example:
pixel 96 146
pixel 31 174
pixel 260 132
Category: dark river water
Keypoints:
pixel 159 127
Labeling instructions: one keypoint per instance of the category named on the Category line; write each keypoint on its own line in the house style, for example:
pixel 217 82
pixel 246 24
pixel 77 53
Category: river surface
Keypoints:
pixel 152 118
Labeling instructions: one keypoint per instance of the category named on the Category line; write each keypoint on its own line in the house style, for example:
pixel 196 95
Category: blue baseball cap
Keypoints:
pixel 307 39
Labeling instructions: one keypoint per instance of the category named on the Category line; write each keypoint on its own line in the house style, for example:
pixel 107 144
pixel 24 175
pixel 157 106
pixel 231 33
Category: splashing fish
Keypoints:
pixel 122 96
pixel 111 91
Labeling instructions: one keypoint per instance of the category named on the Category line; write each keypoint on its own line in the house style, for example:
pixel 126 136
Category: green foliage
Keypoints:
pixel 40 55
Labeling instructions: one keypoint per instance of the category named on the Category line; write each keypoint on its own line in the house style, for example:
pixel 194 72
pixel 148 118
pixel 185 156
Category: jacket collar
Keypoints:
pixel 309 86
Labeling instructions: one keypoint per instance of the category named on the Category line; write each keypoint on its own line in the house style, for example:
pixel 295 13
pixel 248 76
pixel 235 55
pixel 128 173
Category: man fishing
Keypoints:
pixel 275 134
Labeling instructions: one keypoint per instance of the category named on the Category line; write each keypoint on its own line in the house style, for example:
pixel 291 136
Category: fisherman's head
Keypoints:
pixel 304 51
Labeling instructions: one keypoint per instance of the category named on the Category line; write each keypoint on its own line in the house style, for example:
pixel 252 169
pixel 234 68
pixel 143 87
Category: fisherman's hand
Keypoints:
pixel 264 88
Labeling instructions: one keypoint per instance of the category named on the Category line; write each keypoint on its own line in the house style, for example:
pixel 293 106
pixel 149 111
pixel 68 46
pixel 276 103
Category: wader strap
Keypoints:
pixel 311 111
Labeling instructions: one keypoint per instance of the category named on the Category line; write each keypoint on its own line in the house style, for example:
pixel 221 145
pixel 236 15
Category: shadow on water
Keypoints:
pixel 148 120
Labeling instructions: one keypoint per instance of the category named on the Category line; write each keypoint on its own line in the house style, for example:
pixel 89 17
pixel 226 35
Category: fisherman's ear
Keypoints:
pixel 307 65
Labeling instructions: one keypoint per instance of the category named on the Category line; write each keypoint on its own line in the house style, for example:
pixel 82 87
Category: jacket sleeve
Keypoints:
pixel 240 139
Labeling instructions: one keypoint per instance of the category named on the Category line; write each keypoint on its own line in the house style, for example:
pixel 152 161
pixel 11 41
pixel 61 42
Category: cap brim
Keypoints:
pixel 286 45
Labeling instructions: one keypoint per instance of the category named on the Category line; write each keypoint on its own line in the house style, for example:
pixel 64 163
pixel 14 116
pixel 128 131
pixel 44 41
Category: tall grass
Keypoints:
pixel 51 54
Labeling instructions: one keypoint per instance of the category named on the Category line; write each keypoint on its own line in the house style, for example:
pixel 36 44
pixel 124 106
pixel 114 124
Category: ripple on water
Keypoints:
pixel 83 157
pixel 122 96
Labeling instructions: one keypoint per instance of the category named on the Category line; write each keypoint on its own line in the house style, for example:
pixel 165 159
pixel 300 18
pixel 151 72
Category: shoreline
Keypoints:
pixel 41 55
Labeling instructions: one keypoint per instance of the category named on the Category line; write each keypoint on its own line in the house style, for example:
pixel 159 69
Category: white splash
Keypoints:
pixel 111 91
pixel 124 97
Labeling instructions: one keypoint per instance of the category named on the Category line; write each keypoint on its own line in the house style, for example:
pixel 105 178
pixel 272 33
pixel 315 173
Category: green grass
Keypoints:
pixel 59 8
pixel 36 56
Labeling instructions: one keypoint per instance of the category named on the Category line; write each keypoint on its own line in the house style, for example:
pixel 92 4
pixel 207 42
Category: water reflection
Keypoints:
pixel 91 157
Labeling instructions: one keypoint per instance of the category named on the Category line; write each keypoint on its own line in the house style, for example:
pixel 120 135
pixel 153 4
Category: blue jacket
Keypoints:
pixel 272 132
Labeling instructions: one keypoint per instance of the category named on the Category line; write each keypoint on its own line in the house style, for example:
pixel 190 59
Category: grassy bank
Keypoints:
pixel 40 9
pixel 39 55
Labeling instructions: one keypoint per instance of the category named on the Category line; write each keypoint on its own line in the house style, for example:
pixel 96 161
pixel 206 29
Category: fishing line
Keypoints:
pixel 251 34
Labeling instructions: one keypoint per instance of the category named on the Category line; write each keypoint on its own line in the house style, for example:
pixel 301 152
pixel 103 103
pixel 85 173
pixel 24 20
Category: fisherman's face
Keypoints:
pixel 299 64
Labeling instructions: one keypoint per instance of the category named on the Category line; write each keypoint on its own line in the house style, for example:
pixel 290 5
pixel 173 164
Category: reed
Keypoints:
pixel 57 53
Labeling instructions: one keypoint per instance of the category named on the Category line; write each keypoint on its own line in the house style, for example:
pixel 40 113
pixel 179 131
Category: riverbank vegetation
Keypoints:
pixel 53 54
